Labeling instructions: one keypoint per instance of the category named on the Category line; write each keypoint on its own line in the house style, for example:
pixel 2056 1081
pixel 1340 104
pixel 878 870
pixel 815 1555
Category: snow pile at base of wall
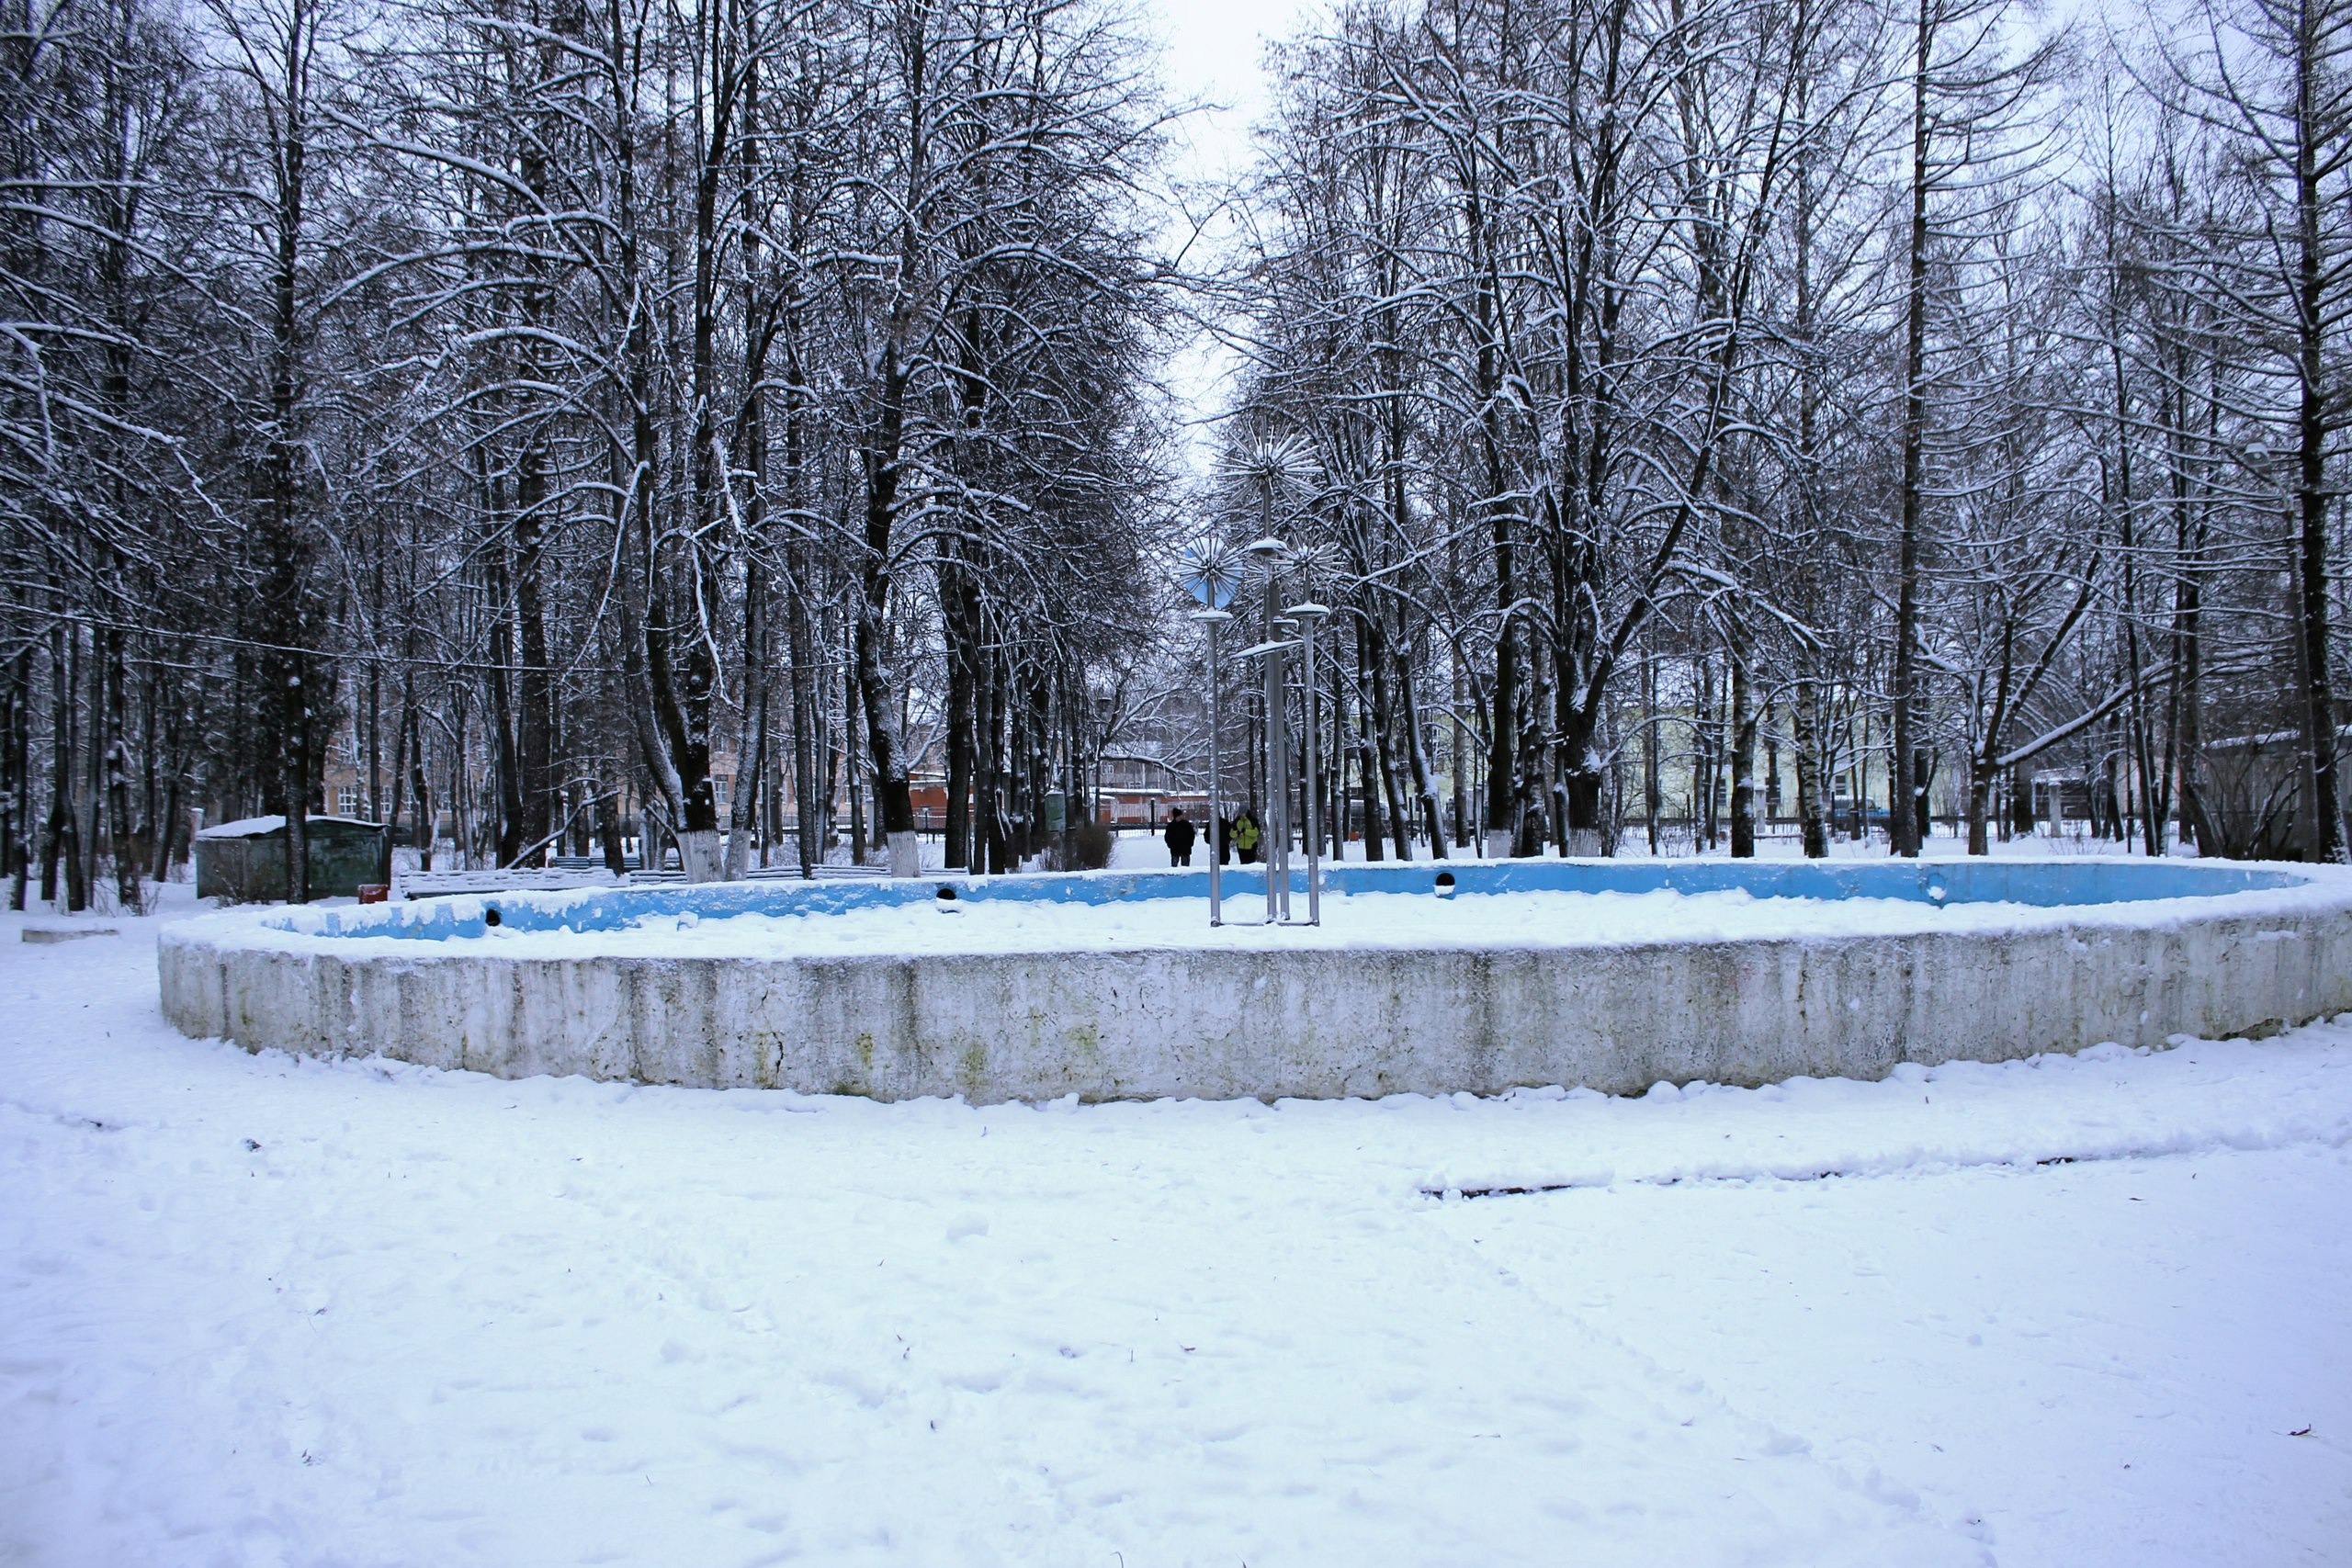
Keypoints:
pixel 1128 995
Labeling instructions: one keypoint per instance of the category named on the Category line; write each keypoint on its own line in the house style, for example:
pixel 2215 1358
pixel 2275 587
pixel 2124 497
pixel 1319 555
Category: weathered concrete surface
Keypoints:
pixel 56 932
pixel 1298 1022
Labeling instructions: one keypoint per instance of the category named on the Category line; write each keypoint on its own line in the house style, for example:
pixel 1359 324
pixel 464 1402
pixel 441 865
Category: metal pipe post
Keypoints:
pixel 1211 620
pixel 1282 775
pixel 1307 617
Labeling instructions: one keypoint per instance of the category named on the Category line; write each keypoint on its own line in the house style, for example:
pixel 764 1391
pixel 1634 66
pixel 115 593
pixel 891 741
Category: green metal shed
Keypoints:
pixel 245 860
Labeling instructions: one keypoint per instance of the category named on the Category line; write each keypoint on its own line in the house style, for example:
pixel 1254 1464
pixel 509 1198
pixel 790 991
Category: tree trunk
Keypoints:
pixel 1743 753
pixel 1902 821
pixel 608 832
pixel 127 897
pixel 807 816
pixel 751 748
pixel 1982 772
pixel 15 740
pixel 876 682
pixel 1806 741
pixel 2323 811
pixel 1376 655
pixel 1653 786
pixel 425 825
pixel 1706 776
pixel 94 759
pixel 535 782
pixel 61 842
pixel 959 613
pixel 1367 742
pixel 284 553
pixel 851 786
pixel 1417 755
pixel 498 709
pixel 1458 756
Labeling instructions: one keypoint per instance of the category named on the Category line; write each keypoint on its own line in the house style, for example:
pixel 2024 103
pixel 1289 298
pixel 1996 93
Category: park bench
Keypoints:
pixel 514 879
pixel 822 872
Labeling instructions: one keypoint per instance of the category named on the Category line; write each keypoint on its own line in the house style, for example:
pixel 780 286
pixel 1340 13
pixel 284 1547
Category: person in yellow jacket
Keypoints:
pixel 1245 836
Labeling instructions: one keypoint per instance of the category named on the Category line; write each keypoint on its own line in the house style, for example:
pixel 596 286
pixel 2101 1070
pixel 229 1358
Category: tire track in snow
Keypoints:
pixel 2183 1148
pixel 1920 1538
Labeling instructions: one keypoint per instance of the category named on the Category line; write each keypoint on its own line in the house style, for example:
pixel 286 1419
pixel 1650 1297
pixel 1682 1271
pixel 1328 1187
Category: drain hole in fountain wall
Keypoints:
pixel 1444 882
pixel 947 894
pixel 489 916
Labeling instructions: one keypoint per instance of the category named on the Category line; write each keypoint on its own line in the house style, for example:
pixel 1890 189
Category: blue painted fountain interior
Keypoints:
pixel 2046 884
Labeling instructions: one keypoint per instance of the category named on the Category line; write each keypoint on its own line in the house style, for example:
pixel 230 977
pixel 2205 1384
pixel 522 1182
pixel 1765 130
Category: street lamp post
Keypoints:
pixel 1306 617
pixel 1212 575
pixel 1211 620
pixel 1209 581
pixel 1275 832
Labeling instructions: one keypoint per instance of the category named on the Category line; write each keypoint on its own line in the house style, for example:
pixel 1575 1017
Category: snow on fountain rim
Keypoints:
pixel 1363 907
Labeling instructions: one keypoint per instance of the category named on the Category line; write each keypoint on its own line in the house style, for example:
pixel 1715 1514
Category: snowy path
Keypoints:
pixel 257 1311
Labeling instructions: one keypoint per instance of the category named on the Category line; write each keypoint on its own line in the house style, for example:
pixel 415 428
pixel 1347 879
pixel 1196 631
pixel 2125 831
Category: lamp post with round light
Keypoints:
pixel 1274 831
pixel 1306 617
pixel 1212 575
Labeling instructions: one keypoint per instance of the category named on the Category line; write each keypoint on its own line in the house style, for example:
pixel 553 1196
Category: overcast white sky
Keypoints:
pixel 1213 53
pixel 1213 49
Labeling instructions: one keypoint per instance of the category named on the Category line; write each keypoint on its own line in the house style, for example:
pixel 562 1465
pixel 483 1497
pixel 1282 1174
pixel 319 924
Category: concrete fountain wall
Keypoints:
pixel 2131 951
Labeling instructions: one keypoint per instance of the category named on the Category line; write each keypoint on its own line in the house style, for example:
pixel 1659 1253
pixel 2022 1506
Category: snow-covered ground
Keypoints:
pixel 261 1311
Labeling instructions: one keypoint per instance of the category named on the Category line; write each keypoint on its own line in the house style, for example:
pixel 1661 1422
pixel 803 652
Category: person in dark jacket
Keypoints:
pixel 1225 842
pixel 1179 837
